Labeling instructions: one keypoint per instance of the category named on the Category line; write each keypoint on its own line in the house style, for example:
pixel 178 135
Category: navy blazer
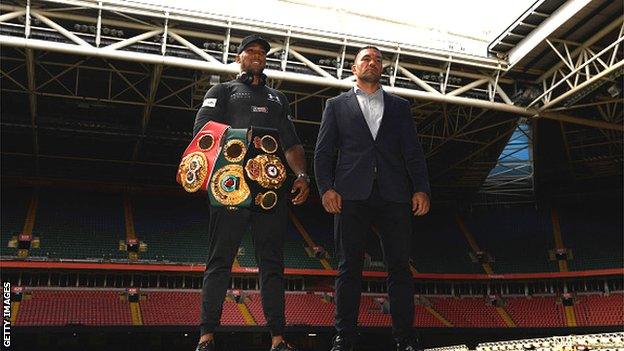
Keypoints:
pixel 395 158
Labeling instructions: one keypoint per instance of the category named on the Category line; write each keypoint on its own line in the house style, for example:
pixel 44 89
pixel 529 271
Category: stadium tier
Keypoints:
pixel 597 309
pixel 539 311
pixel 79 225
pixel 174 229
pixel 593 234
pixel 83 225
pixel 468 312
pixel 61 307
pixel 295 255
pixel 246 253
pixel 518 239
pixel 15 203
pixel 164 308
pixel 80 307
pixel 439 247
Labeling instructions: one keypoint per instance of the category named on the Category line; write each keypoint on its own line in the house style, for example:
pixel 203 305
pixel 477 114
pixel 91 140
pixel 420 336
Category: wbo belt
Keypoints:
pixel 241 168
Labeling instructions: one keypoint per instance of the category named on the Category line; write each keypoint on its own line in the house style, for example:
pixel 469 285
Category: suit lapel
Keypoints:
pixel 386 113
pixel 357 111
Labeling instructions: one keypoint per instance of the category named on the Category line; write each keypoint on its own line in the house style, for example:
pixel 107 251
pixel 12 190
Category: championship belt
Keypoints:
pixel 199 157
pixel 227 185
pixel 264 168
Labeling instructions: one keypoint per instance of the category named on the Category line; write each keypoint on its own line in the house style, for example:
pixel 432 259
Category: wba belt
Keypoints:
pixel 237 167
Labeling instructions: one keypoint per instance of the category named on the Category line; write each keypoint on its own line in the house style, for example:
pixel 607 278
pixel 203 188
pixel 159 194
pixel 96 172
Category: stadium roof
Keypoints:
pixel 441 24
pixel 108 90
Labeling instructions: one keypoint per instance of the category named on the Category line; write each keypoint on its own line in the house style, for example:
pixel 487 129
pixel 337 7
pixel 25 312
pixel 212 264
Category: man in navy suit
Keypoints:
pixel 380 177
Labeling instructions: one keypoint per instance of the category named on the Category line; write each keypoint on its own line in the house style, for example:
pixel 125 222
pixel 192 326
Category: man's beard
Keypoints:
pixel 370 77
pixel 255 71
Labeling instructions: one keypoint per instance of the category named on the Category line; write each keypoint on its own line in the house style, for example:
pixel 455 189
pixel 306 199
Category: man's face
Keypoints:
pixel 368 66
pixel 253 59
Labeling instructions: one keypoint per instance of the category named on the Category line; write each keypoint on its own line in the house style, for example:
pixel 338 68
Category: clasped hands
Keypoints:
pixel 332 202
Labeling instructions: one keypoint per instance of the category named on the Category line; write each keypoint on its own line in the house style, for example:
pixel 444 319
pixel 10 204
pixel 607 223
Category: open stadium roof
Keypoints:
pixel 438 24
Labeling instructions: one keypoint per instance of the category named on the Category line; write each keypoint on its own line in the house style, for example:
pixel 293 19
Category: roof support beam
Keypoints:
pixel 32 102
pixel 273 74
pixel 544 30
pixel 147 110
pixel 477 152
pixel 587 43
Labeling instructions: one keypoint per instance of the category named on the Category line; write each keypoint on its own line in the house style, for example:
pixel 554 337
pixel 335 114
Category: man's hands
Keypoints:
pixel 332 201
pixel 420 204
pixel 302 189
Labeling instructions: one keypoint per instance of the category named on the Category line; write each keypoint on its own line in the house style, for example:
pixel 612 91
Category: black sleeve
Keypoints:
pixel 413 152
pixel 213 108
pixel 325 150
pixel 288 135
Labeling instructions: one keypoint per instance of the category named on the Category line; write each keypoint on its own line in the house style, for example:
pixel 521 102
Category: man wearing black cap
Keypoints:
pixel 243 102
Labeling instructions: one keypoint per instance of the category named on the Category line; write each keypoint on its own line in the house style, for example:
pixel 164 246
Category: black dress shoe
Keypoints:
pixel 206 346
pixel 342 344
pixel 283 346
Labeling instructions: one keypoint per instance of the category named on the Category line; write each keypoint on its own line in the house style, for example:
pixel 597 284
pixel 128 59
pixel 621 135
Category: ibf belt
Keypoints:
pixel 227 183
pixel 264 168
pixel 199 157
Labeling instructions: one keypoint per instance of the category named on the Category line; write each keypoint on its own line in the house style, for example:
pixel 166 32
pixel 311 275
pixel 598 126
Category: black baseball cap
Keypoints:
pixel 254 38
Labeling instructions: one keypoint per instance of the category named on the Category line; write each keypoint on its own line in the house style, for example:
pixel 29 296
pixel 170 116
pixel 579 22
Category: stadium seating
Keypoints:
pixel 295 255
pixel 73 224
pixel 246 253
pixel 468 312
pixel 371 313
pixel 594 234
pixel 439 246
pixel 424 319
pixel 519 238
pixel 74 307
pixel 175 228
pixel 182 308
pixel 15 202
pixel 79 225
pixel 536 311
pixel 309 309
pixel 60 307
pixel 254 304
pixel 599 310
pixel 319 225
pixel 171 307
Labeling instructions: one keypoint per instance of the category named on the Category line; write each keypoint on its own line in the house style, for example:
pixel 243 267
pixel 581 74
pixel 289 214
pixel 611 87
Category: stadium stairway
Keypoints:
pixel 244 310
pixel 376 232
pixel 563 264
pixel 135 312
pixel 18 217
pixel 307 238
pixel 472 242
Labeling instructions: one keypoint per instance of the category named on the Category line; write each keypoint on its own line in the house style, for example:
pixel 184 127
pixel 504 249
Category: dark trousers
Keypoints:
pixel 394 221
pixel 226 230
